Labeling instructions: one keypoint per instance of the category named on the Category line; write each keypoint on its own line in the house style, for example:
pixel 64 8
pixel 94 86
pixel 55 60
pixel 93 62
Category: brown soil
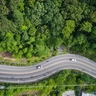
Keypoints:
pixel 32 93
pixel 7 55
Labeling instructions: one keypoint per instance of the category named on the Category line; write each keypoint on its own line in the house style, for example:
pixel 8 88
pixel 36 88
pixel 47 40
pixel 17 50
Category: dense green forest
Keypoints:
pixel 37 27
pixel 53 86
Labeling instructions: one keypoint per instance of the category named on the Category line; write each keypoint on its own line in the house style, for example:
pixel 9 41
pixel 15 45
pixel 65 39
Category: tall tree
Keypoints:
pixel 68 28
pixel 86 26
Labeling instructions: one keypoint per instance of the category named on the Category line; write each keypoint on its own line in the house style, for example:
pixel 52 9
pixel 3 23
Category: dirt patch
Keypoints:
pixel 7 55
pixel 32 93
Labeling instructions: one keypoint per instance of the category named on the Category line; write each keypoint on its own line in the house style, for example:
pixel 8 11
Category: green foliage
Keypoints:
pixel 18 17
pixel 30 3
pixel 45 25
pixel 68 28
pixel 25 36
pixel 3 8
pixel 81 39
pixel 20 5
pixel 86 26
pixel 94 30
pixel 92 16
pixel 37 13
pixel 23 28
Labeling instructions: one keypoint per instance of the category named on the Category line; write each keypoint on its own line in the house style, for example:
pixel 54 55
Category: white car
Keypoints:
pixel 73 59
pixel 39 66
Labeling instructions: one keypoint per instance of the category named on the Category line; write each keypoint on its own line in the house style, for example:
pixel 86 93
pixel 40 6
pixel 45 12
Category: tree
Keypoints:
pixel 23 28
pixel 20 5
pixel 73 2
pixel 81 39
pixel 3 8
pixel 20 54
pixel 74 10
pixel 25 36
pixel 51 9
pixel 17 37
pixel 37 13
pixel 94 30
pixel 68 28
pixel 28 55
pixel 18 17
pixel 32 30
pixel 57 24
pixel 86 26
pixel 92 16
pixel 30 3
pixel 6 25
pixel 40 49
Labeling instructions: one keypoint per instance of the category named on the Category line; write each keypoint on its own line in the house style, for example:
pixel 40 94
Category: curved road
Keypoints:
pixel 13 74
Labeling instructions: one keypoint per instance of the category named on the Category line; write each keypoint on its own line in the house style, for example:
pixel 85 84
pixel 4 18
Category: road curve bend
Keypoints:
pixel 14 74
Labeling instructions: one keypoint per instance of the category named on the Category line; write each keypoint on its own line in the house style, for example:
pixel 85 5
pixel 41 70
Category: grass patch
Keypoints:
pixel 23 61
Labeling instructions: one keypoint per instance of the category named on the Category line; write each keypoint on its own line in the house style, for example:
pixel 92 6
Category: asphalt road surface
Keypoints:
pixel 14 74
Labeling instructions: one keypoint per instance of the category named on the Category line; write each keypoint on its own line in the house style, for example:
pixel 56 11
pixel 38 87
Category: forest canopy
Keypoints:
pixel 35 27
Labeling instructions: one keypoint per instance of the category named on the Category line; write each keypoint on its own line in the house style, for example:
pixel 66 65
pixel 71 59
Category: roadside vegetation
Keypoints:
pixel 23 61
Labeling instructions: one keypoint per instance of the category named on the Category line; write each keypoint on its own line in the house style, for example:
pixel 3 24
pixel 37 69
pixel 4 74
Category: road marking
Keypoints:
pixel 43 68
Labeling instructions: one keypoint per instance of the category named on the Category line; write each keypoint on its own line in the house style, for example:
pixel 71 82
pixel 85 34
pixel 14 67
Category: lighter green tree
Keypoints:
pixel 68 28
pixel 86 26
